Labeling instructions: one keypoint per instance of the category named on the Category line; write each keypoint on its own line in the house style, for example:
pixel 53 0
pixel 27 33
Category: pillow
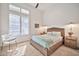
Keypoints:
pixel 49 33
pixel 54 33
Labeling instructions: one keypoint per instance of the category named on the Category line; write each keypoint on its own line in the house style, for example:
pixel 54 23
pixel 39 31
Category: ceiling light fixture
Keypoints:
pixel 37 5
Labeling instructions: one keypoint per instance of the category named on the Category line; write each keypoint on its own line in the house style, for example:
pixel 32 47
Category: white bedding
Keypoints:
pixel 50 38
pixel 46 40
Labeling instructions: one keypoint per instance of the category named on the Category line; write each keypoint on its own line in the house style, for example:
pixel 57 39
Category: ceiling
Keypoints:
pixel 50 6
pixel 42 6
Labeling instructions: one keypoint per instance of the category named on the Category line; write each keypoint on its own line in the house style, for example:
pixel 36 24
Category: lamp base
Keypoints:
pixel 70 33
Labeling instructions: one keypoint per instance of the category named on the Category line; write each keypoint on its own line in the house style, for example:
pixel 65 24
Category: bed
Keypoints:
pixel 47 43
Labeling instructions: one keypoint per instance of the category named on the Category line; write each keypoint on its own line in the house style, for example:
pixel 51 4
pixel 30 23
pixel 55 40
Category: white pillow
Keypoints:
pixel 49 33
pixel 54 33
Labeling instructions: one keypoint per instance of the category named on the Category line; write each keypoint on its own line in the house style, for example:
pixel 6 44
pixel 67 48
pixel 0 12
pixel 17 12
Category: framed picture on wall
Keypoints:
pixel 36 25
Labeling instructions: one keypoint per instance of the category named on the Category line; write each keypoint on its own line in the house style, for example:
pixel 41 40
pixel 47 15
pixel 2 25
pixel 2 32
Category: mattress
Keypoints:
pixel 46 40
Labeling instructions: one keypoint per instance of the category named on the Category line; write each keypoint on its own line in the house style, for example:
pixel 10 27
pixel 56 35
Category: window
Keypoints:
pixel 14 24
pixel 18 21
pixel 14 8
pixel 25 28
pixel 24 11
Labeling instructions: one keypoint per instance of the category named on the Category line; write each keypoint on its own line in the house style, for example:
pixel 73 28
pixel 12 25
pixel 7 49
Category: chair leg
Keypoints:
pixel 16 43
pixel 9 45
pixel 2 48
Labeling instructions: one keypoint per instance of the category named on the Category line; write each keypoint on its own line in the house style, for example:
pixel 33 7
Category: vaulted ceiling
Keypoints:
pixel 42 6
pixel 50 6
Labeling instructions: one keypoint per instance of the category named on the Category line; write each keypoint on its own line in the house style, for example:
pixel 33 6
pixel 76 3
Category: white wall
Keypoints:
pixel 34 17
pixel 4 18
pixel 61 15
pixel 0 19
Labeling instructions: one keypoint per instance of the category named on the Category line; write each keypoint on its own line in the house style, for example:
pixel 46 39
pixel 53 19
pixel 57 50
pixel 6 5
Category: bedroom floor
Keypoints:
pixel 25 49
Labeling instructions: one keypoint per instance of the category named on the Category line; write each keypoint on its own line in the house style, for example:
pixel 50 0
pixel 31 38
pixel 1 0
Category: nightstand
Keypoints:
pixel 71 41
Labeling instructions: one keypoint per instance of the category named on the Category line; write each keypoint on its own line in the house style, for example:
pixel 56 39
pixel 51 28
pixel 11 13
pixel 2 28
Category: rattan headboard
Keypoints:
pixel 57 30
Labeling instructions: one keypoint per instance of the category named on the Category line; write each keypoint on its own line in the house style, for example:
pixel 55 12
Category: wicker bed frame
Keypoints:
pixel 49 51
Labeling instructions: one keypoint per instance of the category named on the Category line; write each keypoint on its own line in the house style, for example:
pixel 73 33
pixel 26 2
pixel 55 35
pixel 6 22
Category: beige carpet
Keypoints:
pixel 25 49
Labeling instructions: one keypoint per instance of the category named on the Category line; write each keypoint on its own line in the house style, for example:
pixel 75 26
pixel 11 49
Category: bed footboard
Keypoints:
pixel 46 51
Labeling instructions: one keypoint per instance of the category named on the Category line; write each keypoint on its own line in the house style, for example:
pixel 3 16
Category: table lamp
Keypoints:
pixel 71 26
